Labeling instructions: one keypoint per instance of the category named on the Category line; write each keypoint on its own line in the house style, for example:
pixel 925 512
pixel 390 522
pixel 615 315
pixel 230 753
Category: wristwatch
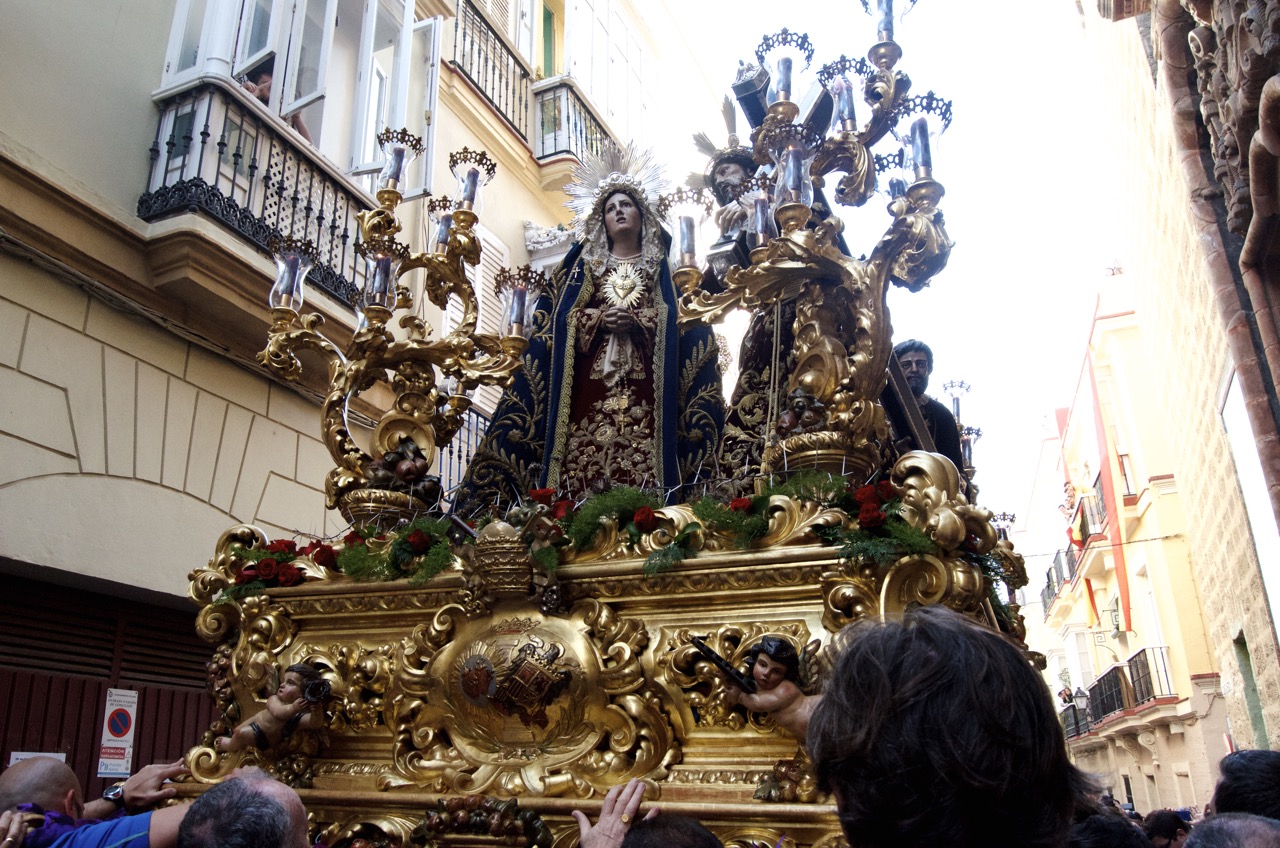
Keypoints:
pixel 115 794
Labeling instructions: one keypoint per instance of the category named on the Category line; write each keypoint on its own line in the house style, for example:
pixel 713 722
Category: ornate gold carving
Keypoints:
pixel 359 678
pixel 681 664
pixel 421 412
pixel 931 501
pixel 362 832
pixel 523 702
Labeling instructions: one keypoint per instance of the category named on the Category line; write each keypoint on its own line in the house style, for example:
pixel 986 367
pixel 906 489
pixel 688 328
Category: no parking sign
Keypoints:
pixel 115 755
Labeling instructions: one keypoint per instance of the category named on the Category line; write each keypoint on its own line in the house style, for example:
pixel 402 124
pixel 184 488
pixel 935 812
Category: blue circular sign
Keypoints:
pixel 119 722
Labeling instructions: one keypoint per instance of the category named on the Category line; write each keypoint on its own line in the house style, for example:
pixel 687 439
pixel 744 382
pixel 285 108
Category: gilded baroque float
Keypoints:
pixel 476 684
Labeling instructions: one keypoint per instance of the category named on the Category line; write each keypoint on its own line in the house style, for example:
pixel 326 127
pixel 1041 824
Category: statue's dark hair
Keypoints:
pixel 780 651
pixel 306 671
pixel 914 346
pixel 233 814
pixel 935 730
pixel 1164 824
pixel 1249 783
pixel 670 831
pixel 1234 830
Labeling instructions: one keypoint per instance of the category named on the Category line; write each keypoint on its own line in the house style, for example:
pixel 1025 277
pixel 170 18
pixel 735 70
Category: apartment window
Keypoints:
pixel 1126 475
pixel 345 69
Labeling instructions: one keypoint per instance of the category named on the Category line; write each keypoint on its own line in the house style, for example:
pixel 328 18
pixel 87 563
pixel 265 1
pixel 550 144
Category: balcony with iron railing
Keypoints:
pixel 497 71
pixel 1149 672
pixel 564 122
pixel 218 153
pixel 1110 693
pixel 457 455
pixel 1075 721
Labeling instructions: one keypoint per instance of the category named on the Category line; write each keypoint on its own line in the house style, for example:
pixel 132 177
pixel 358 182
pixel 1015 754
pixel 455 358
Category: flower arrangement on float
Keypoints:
pixel 551 523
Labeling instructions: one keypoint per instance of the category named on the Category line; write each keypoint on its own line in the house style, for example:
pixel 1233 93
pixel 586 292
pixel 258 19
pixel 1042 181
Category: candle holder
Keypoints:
pixel 755 196
pixel 294 258
pixel 786 55
pixel 685 210
pixel 473 170
pixel 524 286
pixel 432 377
pixel 440 211
pixel 793 148
pixel 400 148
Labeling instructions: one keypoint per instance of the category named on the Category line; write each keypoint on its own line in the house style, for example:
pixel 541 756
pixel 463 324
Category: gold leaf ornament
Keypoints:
pixel 624 286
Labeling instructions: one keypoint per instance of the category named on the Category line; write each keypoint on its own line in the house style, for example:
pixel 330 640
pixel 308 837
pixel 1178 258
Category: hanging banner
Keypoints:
pixel 115 753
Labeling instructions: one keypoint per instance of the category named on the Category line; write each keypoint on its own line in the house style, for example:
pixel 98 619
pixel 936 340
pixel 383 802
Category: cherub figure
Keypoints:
pixel 775 667
pixel 298 704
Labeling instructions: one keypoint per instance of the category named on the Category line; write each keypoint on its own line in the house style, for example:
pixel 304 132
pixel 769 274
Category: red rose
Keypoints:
pixel 867 495
pixel 886 490
pixel 645 519
pixel 247 574
pixel 561 509
pixel 288 574
pixel 870 516
pixel 740 504
pixel 418 542
pixel 323 555
pixel 268 568
pixel 283 546
pixel 353 538
pixel 542 496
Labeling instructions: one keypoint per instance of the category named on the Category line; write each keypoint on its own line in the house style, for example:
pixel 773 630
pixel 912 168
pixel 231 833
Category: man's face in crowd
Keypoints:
pixel 916 367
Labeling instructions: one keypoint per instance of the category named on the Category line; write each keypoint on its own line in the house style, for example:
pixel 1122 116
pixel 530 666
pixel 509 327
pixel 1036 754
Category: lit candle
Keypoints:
pixel 518 296
pixel 442 231
pixel 784 78
pixel 470 184
pixel 920 148
pixel 884 28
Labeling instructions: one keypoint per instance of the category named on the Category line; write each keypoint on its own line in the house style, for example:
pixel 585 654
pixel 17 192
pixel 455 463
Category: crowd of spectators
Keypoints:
pixel 933 731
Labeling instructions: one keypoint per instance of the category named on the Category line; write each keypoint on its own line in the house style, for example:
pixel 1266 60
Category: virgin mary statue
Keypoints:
pixel 611 392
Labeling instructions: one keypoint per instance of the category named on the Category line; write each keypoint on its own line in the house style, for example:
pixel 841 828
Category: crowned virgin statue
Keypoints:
pixel 611 391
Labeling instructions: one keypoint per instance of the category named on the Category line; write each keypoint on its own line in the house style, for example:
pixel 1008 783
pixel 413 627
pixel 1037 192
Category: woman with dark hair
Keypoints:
pixel 934 730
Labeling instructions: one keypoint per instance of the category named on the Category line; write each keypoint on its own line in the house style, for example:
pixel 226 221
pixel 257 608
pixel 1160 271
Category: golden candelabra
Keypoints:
pixel 842 330
pixel 423 417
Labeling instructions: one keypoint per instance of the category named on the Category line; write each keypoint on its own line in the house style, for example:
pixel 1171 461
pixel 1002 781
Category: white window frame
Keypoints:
pixel 182 11
pixel 245 63
pixel 291 70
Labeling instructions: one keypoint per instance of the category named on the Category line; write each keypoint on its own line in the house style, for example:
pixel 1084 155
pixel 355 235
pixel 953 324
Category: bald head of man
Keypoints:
pixel 44 781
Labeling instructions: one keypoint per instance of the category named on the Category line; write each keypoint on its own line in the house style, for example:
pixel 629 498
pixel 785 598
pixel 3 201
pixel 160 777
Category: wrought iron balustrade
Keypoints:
pixel 1075 721
pixel 1110 693
pixel 1053 580
pixel 483 56
pixel 1066 561
pixel 456 456
pixel 217 154
pixel 564 122
pixel 1149 671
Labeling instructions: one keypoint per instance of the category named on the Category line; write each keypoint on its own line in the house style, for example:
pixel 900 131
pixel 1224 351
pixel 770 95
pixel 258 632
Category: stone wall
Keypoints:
pixel 128 451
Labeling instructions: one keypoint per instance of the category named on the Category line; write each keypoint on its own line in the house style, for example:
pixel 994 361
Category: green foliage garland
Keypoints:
pixel 620 504
pixel 744 526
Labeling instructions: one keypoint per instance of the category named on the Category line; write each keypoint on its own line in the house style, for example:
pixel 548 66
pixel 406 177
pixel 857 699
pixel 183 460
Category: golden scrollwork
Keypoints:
pixel 358 676
pixel 929 486
pixel 368 832
pixel 519 701
pixel 847 599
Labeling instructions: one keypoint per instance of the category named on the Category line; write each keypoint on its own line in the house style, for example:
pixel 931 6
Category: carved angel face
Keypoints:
pixel 768 674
